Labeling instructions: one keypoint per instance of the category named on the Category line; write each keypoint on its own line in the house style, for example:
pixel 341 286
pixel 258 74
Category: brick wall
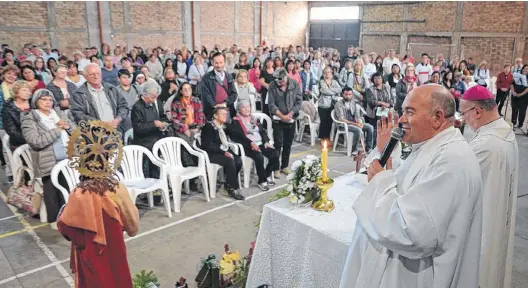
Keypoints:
pixel 379 44
pixel 287 23
pixel 154 24
pixel 497 51
pixel 383 13
pixel 438 16
pixel 493 16
pixel 429 45
pixel 215 27
pixel 525 55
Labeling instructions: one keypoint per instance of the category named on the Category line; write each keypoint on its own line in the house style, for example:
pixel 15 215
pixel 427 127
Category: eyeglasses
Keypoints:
pixel 464 113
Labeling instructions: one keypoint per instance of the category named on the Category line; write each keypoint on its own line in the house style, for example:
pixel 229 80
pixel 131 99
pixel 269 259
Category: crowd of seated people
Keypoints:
pixel 160 93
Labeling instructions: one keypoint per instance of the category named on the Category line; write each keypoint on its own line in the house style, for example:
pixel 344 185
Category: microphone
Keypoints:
pixel 396 136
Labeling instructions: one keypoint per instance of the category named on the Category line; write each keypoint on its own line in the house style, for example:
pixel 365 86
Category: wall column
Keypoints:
pixel 92 17
pixel 187 19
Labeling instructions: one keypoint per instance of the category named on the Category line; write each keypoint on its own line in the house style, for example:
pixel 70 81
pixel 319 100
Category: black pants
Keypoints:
pixel 283 134
pixel 326 122
pixel 53 197
pixel 501 96
pixel 265 107
pixel 374 123
pixel 519 105
pixel 258 157
pixel 231 167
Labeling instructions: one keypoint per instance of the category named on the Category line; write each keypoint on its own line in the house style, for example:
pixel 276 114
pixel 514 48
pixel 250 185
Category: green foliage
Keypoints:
pixel 143 279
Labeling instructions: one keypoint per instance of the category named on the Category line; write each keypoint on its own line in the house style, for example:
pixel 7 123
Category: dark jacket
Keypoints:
pixel 12 124
pixel 83 106
pixel 401 93
pixel 236 125
pixel 165 86
pixel 208 93
pixel 57 92
pixel 285 102
pixel 211 142
pixel 143 116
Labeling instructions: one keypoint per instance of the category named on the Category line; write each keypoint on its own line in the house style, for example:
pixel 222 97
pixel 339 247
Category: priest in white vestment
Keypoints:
pixel 420 224
pixel 498 154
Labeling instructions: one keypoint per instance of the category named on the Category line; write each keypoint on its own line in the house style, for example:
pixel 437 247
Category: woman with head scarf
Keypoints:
pixel 99 209
pixel 248 126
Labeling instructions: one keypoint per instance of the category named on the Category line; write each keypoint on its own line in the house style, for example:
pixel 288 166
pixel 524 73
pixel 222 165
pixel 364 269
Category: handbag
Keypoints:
pixel 209 273
pixel 24 196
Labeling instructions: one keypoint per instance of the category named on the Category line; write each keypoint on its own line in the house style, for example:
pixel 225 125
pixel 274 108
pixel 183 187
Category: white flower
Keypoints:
pixel 296 165
pixel 311 157
pixel 293 198
pixel 290 188
pixel 290 176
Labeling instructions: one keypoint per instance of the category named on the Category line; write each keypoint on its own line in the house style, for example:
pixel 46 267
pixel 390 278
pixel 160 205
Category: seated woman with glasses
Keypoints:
pixel 215 143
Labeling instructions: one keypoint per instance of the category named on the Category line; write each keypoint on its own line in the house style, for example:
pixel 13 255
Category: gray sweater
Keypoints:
pixel 285 102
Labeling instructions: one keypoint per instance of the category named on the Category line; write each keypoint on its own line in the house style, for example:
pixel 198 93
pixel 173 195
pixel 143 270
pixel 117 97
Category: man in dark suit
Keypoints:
pixel 218 88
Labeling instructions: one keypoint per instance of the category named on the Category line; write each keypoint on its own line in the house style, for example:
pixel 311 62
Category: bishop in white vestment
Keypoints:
pixel 420 224
pixel 498 154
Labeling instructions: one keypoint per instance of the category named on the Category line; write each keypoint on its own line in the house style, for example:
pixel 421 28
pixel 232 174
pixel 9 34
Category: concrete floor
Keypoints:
pixel 34 255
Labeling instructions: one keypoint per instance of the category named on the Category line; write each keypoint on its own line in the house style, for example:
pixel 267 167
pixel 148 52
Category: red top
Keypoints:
pixel 40 85
pixel 96 265
pixel 504 80
pixel 221 93
pixel 254 76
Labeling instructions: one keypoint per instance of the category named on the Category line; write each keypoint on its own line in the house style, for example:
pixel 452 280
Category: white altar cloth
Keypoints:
pixel 299 247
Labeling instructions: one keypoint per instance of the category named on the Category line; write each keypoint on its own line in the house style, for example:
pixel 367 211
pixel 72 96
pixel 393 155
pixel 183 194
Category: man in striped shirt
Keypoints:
pixel 424 70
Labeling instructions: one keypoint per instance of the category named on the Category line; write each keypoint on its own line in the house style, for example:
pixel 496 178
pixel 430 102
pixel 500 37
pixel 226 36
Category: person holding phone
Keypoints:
pixel 149 123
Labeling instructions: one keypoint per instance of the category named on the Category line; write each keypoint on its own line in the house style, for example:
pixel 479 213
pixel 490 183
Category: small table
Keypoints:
pixel 299 247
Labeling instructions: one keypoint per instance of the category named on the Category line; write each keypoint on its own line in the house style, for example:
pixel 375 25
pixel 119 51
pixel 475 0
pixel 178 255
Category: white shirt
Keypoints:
pixel 221 75
pixel 498 154
pixel 77 84
pixel 104 109
pixel 387 64
pixel 420 224
pixel 82 63
pixel 423 72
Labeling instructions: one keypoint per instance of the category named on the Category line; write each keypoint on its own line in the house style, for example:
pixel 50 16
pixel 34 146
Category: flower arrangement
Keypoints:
pixel 145 279
pixel 233 269
pixel 301 182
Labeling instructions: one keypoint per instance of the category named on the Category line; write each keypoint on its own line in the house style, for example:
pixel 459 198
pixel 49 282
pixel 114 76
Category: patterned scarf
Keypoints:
pixel 5 90
pixel 221 133
pixel 189 110
pixel 358 83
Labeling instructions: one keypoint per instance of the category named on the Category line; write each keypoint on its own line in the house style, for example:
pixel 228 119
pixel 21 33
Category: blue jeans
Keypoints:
pixel 369 132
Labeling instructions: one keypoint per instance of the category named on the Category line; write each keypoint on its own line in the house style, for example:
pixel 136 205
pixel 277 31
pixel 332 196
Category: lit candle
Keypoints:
pixel 324 162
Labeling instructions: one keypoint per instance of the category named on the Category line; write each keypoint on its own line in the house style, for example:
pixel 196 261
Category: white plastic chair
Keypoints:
pixel 304 120
pixel 129 135
pixel 348 136
pixel 261 118
pixel 212 169
pixel 7 149
pixel 70 174
pixel 134 179
pixel 170 149
pixel 24 152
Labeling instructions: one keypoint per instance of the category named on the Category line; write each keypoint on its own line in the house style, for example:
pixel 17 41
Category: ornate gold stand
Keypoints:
pixel 324 203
